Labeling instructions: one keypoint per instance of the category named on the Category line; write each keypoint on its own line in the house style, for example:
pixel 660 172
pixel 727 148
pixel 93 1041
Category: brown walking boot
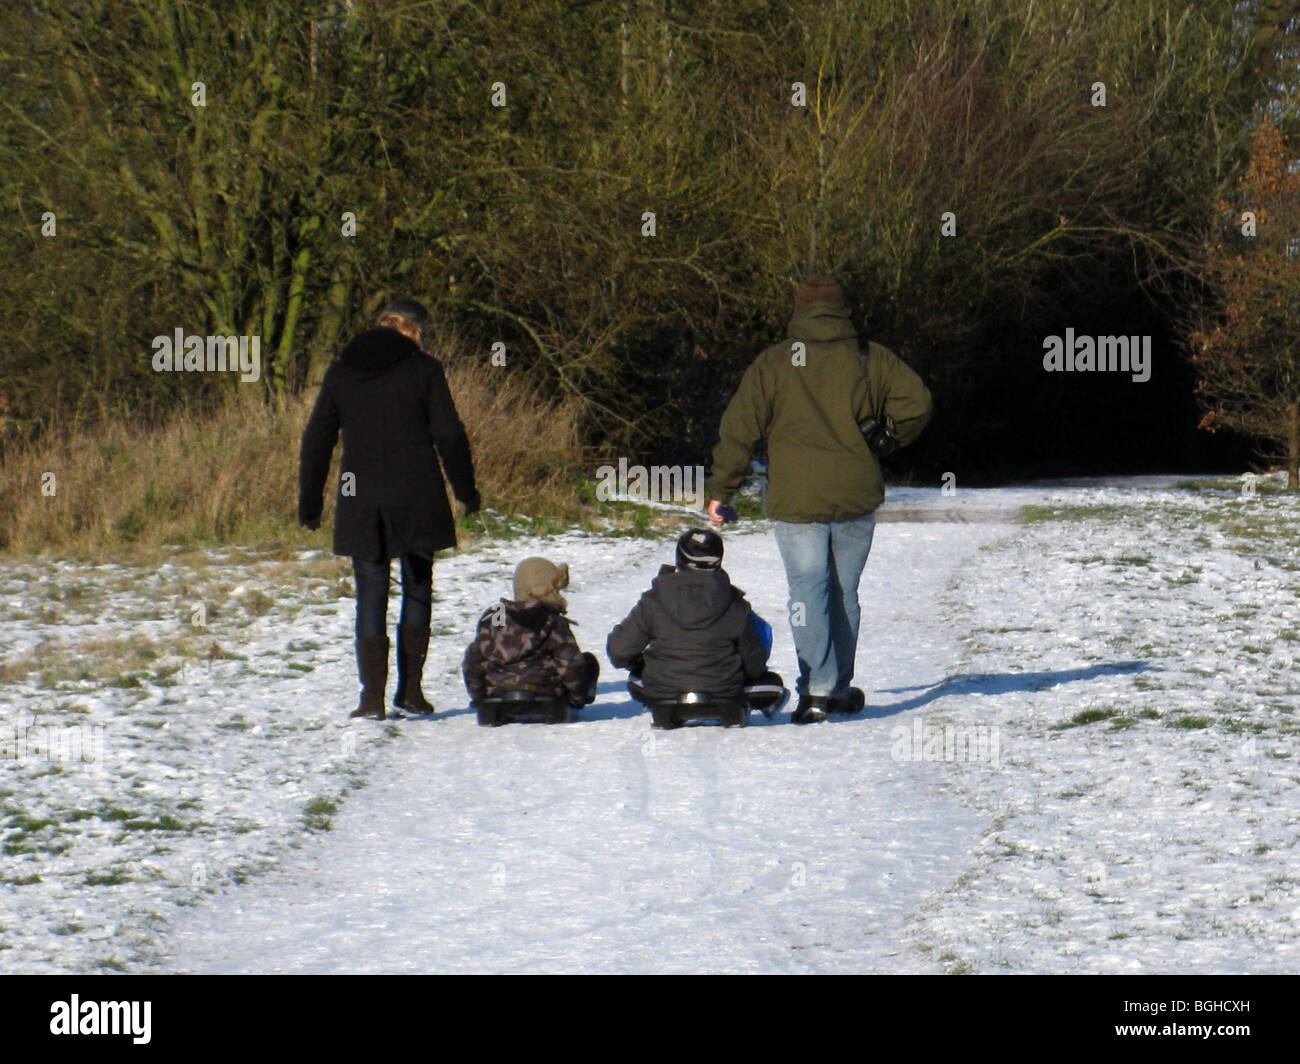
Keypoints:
pixel 372 668
pixel 412 647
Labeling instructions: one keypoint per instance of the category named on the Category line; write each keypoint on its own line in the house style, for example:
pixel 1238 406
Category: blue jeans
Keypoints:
pixel 823 564
pixel 372 594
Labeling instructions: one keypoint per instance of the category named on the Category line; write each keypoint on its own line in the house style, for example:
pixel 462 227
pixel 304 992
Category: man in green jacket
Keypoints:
pixel 806 397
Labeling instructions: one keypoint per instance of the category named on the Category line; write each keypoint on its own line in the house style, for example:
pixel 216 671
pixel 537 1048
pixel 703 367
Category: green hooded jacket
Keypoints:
pixel 807 408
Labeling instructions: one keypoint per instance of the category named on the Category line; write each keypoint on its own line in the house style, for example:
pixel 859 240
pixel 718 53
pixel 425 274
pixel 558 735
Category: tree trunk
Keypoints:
pixel 324 347
pixel 1293 446
pixel 624 55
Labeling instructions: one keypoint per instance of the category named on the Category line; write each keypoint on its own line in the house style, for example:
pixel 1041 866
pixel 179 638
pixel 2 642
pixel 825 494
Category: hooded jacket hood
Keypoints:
pixel 376 351
pixel 694 598
pixel 820 323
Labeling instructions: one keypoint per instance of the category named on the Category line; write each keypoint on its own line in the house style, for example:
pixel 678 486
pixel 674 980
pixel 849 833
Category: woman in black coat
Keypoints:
pixel 391 402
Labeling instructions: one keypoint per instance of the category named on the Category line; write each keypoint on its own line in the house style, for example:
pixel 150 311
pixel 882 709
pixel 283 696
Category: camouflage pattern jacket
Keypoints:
pixel 524 646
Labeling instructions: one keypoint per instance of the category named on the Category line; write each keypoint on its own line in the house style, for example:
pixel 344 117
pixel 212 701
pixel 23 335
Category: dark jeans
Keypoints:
pixel 372 594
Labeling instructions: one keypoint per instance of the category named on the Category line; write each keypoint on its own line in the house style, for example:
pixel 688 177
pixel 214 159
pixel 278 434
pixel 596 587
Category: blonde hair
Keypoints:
pixel 404 311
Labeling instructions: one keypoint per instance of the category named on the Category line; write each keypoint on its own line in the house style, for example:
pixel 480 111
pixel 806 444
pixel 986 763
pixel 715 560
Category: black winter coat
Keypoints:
pixel 393 406
pixel 696 633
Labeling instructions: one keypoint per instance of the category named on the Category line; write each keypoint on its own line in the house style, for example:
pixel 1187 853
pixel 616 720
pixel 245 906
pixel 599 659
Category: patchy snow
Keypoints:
pixel 1141 653
pixel 1112 684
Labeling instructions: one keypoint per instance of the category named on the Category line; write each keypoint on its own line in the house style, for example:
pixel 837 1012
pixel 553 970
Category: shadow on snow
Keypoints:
pixel 1000 683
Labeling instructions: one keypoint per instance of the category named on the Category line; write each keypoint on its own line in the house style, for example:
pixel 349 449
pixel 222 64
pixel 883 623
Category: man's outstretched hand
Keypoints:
pixel 721 513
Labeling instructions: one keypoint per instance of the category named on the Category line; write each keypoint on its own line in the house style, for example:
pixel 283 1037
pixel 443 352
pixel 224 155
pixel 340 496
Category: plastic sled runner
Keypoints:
pixel 521 705
pixel 694 705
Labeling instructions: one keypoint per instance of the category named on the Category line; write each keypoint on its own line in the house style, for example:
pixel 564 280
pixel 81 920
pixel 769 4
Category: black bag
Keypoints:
pixel 875 431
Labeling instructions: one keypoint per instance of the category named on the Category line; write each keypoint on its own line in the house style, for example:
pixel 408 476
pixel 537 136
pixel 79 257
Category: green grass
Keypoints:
pixel 23 822
pixel 316 814
pixel 1037 514
pixel 166 822
pixel 1190 722
pixel 1231 484
pixel 496 525
pixel 1087 716
pixel 133 821
pixel 749 507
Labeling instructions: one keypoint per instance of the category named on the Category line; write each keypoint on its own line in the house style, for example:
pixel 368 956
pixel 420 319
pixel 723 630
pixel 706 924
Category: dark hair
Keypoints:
pixel 410 309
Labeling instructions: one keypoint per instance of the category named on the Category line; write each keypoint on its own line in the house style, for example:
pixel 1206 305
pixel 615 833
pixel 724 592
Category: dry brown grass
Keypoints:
pixel 230 477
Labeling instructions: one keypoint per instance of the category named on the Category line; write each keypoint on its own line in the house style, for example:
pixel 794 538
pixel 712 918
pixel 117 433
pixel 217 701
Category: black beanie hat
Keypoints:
pixel 700 548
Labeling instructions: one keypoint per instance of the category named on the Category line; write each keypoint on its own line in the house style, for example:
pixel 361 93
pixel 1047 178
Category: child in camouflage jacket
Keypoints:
pixel 527 644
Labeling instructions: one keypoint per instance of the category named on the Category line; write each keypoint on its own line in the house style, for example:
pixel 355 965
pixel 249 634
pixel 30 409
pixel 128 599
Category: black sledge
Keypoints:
pixel 521 705
pixel 694 705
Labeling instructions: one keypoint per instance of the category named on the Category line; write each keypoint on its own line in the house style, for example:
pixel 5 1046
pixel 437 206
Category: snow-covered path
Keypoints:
pixel 604 846
pixel 180 788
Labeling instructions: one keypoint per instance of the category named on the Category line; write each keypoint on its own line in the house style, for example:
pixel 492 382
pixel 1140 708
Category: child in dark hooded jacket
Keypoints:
pixel 527 644
pixel 694 632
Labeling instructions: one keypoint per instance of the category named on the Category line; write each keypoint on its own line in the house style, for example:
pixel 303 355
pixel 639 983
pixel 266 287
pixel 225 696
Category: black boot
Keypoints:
pixel 412 647
pixel 593 675
pixel 767 694
pixel 372 668
pixel 854 702
pixel 812 709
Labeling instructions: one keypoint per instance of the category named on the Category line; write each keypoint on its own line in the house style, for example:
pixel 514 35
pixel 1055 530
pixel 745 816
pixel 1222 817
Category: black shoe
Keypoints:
pixel 854 702
pixel 810 710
